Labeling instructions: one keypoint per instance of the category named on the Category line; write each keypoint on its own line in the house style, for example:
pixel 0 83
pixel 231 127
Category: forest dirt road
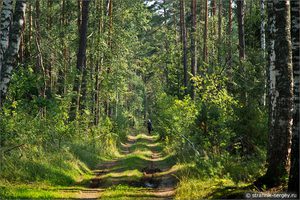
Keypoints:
pixel 142 171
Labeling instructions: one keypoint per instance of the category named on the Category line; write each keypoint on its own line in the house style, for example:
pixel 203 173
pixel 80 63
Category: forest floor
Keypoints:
pixel 142 171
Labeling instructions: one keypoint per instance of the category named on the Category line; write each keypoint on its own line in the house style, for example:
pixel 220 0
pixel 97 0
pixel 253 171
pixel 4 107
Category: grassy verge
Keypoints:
pixel 218 178
pixel 33 191
pixel 47 174
pixel 42 174
pixel 210 189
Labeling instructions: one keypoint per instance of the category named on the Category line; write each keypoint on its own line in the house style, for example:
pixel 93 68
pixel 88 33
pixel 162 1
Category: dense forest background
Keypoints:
pixel 218 78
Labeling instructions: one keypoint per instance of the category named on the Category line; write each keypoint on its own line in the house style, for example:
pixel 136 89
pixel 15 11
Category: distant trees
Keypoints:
pixel 80 62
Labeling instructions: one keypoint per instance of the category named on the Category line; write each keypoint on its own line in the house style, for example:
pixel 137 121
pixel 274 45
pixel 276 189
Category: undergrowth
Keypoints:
pixel 50 151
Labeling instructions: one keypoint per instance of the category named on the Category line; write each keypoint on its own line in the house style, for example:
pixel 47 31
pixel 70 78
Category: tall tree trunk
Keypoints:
pixel 241 46
pixel 177 59
pixel 49 14
pixel 262 26
pixel 293 185
pixel 167 49
pixel 39 58
pixel 193 45
pixel 212 35
pixel 62 70
pixel 263 42
pixel 22 46
pixel 184 45
pixel 79 14
pixel 213 7
pixel 205 56
pixel 81 61
pixel 229 37
pixel 99 63
pixel 6 17
pixel 49 72
pixel 28 37
pixel 109 5
pixel 220 31
pixel 11 54
pixel 241 29
pixel 110 23
pixel 281 93
pixel 1 3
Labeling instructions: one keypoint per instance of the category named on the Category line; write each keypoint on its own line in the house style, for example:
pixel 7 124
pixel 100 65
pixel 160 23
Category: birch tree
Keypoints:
pixel 10 55
pixel 280 93
pixel 263 42
pixel 6 17
pixel 293 185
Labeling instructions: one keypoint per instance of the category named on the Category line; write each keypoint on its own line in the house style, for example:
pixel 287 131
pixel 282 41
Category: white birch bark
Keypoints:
pixel 281 91
pixel 11 53
pixel 293 185
pixel 6 17
pixel 262 26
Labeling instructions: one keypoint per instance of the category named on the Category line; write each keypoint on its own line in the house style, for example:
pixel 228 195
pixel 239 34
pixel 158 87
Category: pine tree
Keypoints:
pixel 184 45
pixel 79 87
pixel 193 44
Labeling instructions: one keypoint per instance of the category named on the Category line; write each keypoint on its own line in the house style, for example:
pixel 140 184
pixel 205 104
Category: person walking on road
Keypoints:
pixel 149 126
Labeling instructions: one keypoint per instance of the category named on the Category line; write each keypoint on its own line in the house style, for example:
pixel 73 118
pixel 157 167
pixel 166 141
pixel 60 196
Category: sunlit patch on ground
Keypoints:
pixel 142 171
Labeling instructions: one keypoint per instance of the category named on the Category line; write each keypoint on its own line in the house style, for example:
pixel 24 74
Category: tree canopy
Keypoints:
pixel 80 79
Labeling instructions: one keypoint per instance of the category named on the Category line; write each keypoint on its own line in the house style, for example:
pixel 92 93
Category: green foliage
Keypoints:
pixel 50 149
pixel 133 72
pixel 174 118
pixel 233 167
pixel 252 27
pixel 212 129
pixel 36 113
